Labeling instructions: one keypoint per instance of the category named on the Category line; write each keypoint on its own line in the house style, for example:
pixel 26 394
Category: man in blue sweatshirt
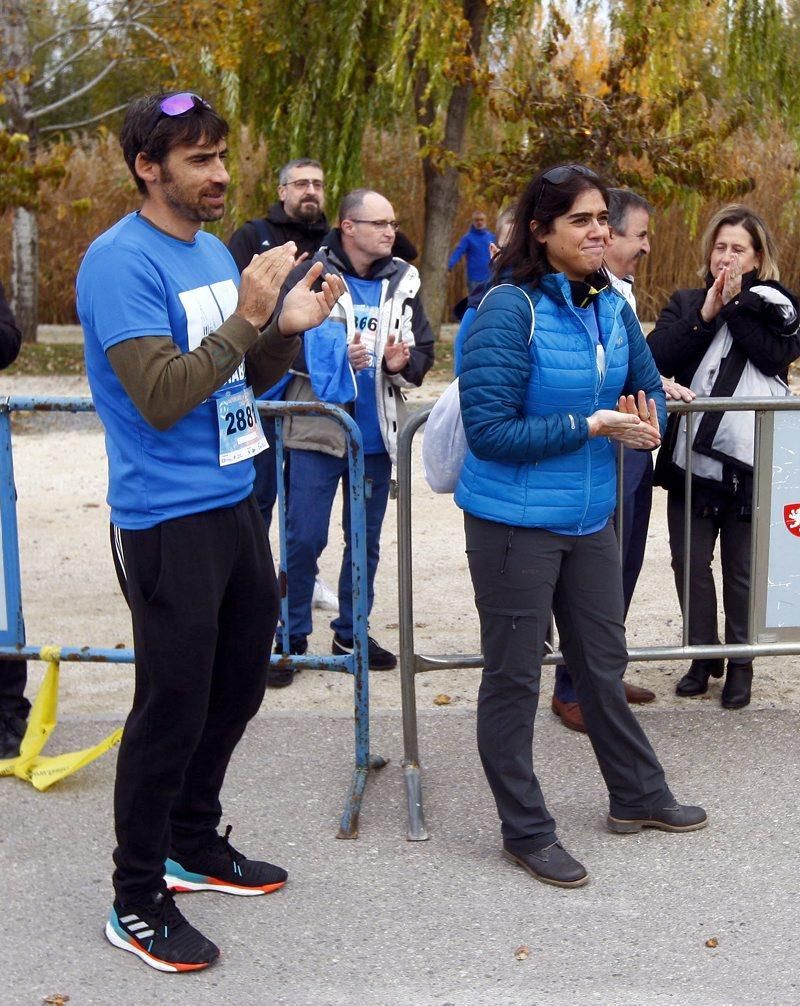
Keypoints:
pixel 475 245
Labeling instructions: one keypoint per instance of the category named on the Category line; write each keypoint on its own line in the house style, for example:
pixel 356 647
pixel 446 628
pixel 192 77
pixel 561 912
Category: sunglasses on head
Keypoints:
pixel 562 173
pixel 174 105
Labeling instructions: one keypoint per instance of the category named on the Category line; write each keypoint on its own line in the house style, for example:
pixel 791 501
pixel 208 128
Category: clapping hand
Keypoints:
pixel 357 353
pixel 396 355
pixel 303 308
pixel 634 423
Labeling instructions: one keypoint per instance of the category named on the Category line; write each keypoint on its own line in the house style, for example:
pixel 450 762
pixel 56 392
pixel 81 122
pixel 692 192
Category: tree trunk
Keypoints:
pixel 25 272
pixel 16 55
pixel 441 184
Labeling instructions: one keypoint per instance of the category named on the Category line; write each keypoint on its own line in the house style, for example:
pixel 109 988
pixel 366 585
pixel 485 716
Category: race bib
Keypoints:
pixel 240 433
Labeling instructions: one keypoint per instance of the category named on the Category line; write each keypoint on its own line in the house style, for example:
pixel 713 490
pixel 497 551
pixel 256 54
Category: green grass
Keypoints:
pixel 38 358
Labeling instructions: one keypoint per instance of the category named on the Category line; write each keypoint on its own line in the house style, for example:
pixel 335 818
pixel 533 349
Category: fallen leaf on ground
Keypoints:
pixel 442 700
pixel 713 942
pixel 56 1000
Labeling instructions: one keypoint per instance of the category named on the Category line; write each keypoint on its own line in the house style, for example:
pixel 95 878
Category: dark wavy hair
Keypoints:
pixel 144 132
pixel 544 199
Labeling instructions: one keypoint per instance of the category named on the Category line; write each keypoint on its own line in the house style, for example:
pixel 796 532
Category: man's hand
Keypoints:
pixel 261 283
pixel 302 308
pixel 677 392
pixel 396 355
pixel 357 353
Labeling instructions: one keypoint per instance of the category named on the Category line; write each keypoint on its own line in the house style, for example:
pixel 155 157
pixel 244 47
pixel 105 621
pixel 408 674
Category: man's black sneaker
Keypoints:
pixel 552 865
pixel 677 817
pixel 12 730
pixel 282 677
pixel 221 868
pixel 379 658
pixel 159 935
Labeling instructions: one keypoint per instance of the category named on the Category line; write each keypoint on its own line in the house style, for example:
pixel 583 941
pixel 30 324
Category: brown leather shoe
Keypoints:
pixel 634 694
pixel 570 715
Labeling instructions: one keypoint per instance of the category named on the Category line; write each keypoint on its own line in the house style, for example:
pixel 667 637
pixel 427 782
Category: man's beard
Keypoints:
pixel 191 209
pixel 309 210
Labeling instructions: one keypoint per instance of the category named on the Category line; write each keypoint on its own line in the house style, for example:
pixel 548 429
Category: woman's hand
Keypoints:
pixel 733 280
pixel 634 425
pixel 714 303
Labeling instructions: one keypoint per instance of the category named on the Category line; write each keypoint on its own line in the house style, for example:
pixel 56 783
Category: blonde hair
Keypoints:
pixel 763 244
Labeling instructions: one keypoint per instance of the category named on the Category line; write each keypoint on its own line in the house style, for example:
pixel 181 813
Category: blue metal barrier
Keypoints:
pixel 12 630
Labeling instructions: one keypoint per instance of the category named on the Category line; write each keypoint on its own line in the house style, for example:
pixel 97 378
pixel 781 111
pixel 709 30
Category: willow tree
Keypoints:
pixel 313 76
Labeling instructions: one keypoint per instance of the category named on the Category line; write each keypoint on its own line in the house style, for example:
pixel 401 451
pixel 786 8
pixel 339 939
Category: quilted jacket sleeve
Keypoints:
pixel 493 383
pixel 643 374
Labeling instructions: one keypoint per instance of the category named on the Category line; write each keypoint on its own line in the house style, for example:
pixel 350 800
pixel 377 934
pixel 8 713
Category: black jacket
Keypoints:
pixel 10 335
pixel 680 340
pixel 276 228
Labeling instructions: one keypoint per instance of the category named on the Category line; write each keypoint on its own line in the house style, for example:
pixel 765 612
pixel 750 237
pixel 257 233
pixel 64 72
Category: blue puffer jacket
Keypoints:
pixel 525 404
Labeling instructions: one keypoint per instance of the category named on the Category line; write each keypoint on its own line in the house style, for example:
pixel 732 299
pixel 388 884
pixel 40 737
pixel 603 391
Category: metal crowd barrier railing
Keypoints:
pixel 12 637
pixel 413 663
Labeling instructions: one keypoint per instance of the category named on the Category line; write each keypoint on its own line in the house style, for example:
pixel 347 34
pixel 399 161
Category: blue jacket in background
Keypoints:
pixel 525 404
pixel 475 245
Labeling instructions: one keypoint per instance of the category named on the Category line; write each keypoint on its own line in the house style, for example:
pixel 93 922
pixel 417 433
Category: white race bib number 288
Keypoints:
pixel 240 432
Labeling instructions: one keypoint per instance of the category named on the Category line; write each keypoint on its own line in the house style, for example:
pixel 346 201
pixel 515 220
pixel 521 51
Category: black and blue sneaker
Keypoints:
pixel 158 934
pixel 221 868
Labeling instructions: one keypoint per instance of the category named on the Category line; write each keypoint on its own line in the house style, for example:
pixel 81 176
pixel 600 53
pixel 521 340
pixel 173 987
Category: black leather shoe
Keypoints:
pixel 695 681
pixel 552 865
pixel 677 817
pixel 736 690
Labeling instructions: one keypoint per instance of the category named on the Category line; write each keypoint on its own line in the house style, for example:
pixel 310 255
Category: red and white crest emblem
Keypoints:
pixel 791 517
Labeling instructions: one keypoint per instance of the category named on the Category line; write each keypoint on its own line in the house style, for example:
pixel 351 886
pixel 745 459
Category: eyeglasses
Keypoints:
pixel 378 225
pixel 316 184
pixel 174 105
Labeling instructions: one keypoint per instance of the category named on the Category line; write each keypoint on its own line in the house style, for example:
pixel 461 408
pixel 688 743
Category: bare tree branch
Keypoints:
pixel 39 112
pixel 64 126
pixel 123 18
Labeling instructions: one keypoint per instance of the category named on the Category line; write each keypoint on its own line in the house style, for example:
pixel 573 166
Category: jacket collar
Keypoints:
pixel 580 293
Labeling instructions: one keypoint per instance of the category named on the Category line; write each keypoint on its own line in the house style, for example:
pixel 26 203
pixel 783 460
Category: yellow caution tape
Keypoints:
pixel 40 770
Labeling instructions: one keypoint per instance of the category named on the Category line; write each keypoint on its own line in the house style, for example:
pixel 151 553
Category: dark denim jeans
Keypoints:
pixel 313 481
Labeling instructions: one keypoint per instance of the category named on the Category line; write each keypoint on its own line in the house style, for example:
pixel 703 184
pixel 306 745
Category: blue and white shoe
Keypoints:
pixel 221 868
pixel 159 935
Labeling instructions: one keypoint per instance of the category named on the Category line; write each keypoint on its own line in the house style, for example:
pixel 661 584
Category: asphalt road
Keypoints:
pixel 386 922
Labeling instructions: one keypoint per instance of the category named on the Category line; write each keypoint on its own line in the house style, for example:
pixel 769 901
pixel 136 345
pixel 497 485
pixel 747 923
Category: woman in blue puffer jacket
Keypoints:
pixel 540 404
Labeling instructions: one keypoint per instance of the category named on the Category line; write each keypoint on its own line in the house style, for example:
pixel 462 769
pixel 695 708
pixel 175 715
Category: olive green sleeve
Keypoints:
pixel 165 384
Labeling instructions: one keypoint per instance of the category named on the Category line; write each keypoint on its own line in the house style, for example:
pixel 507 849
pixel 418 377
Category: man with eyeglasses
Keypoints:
pixel 376 342
pixel 177 344
pixel 298 216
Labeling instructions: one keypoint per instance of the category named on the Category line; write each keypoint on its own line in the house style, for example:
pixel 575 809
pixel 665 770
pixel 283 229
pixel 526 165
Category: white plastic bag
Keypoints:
pixel 444 443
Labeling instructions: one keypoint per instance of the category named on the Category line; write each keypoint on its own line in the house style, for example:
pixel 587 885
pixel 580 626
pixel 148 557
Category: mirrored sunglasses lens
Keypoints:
pixel 177 104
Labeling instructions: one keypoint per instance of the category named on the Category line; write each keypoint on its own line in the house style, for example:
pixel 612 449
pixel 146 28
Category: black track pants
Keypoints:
pixel 204 605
